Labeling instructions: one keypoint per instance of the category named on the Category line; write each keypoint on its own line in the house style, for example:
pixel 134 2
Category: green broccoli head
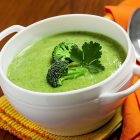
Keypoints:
pixel 62 52
pixel 59 72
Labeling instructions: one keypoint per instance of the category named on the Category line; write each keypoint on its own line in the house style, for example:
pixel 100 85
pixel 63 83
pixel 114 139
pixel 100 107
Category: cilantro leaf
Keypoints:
pixel 95 67
pixel 88 57
pixel 91 52
pixel 76 55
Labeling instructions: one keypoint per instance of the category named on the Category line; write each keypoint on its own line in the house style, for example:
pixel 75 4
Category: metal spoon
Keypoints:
pixel 134 31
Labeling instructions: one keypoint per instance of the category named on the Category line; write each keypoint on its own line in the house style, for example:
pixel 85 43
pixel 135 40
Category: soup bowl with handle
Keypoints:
pixel 74 112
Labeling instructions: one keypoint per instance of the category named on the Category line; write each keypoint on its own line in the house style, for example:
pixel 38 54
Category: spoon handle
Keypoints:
pixel 134 31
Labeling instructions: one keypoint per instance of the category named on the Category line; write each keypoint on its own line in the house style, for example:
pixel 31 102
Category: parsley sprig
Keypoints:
pixel 88 57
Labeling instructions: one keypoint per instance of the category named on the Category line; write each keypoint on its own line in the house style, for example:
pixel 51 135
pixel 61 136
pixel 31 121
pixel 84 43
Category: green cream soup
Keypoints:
pixel 29 68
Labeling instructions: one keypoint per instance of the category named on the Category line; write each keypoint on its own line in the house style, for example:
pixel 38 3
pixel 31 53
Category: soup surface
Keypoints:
pixel 29 68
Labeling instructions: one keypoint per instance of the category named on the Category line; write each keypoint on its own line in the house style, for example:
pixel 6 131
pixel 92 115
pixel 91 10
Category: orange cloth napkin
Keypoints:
pixel 131 110
pixel 123 11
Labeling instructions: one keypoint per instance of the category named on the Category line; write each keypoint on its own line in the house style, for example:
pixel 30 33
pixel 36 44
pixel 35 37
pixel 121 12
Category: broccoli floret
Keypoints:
pixel 62 52
pixel 56 71
pixel 59 72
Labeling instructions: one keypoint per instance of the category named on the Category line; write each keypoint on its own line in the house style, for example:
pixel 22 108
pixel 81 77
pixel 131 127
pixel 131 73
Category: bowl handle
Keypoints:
pixel 108 98
pixel 12 29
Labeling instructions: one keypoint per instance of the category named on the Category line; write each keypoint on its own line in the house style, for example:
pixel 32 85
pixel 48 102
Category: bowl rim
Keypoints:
pixel 66 93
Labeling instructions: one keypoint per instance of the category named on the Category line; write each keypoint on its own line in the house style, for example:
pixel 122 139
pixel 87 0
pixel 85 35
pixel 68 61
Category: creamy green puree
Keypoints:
pixel 30 66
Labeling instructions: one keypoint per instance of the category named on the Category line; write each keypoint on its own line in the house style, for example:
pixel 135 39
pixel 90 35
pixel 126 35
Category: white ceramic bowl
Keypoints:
pixel 74 112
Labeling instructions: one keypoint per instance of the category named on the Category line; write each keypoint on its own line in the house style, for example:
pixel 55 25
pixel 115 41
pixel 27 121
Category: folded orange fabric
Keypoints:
pixel 131 116
pixel 123 11
pixel 131 110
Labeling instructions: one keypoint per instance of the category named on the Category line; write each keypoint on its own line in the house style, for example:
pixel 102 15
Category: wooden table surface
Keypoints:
pixel 25 12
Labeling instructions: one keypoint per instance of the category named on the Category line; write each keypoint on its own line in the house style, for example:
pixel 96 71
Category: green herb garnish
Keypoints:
pixel 88 57
pixel 70 62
